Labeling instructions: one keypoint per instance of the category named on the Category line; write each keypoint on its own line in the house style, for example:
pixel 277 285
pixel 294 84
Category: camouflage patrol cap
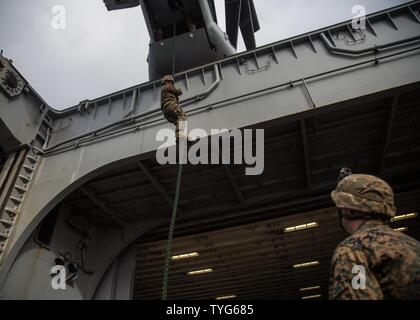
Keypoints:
pixel 365 193
pixel 167 78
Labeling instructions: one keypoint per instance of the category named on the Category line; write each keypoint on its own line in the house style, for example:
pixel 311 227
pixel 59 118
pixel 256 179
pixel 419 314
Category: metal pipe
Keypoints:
pixel 287 84
pixel 205 9
pixel 309 93
pixel 375 49
pixel 72 109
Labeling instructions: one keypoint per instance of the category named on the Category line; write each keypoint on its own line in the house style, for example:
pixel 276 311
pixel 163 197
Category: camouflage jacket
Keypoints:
pixel 169 96
pixel 391 261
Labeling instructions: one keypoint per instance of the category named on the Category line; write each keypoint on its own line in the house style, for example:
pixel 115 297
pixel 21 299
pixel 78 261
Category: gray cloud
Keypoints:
pixel 101 52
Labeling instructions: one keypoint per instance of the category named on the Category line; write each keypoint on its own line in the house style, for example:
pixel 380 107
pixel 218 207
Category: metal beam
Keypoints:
pixel 101 204
pixel 233 183
pixel 388 133
pixel 11 178
pixel 156 184
pixel 305 153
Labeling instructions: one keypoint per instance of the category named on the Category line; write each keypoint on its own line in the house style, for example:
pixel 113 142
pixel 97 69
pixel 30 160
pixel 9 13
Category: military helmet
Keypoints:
pixel 167 78
pixel 366 194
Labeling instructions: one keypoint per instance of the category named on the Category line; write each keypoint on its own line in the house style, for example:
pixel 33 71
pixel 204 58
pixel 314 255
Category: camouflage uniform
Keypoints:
pixel 170 104
pixel 391 259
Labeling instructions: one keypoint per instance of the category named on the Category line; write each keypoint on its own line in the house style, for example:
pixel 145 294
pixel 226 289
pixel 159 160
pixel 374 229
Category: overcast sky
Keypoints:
pixel 100 52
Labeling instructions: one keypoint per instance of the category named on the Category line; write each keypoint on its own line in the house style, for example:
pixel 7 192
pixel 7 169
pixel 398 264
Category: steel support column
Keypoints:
pixel 101 204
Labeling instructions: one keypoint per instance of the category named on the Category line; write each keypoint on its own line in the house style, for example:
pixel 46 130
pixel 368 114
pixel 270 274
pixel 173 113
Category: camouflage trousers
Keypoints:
pixel 174 114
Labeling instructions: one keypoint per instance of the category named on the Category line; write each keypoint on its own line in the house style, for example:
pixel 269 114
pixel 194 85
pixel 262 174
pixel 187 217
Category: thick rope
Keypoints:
pixel 171 234
pixel 168 250
pixel 174 48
